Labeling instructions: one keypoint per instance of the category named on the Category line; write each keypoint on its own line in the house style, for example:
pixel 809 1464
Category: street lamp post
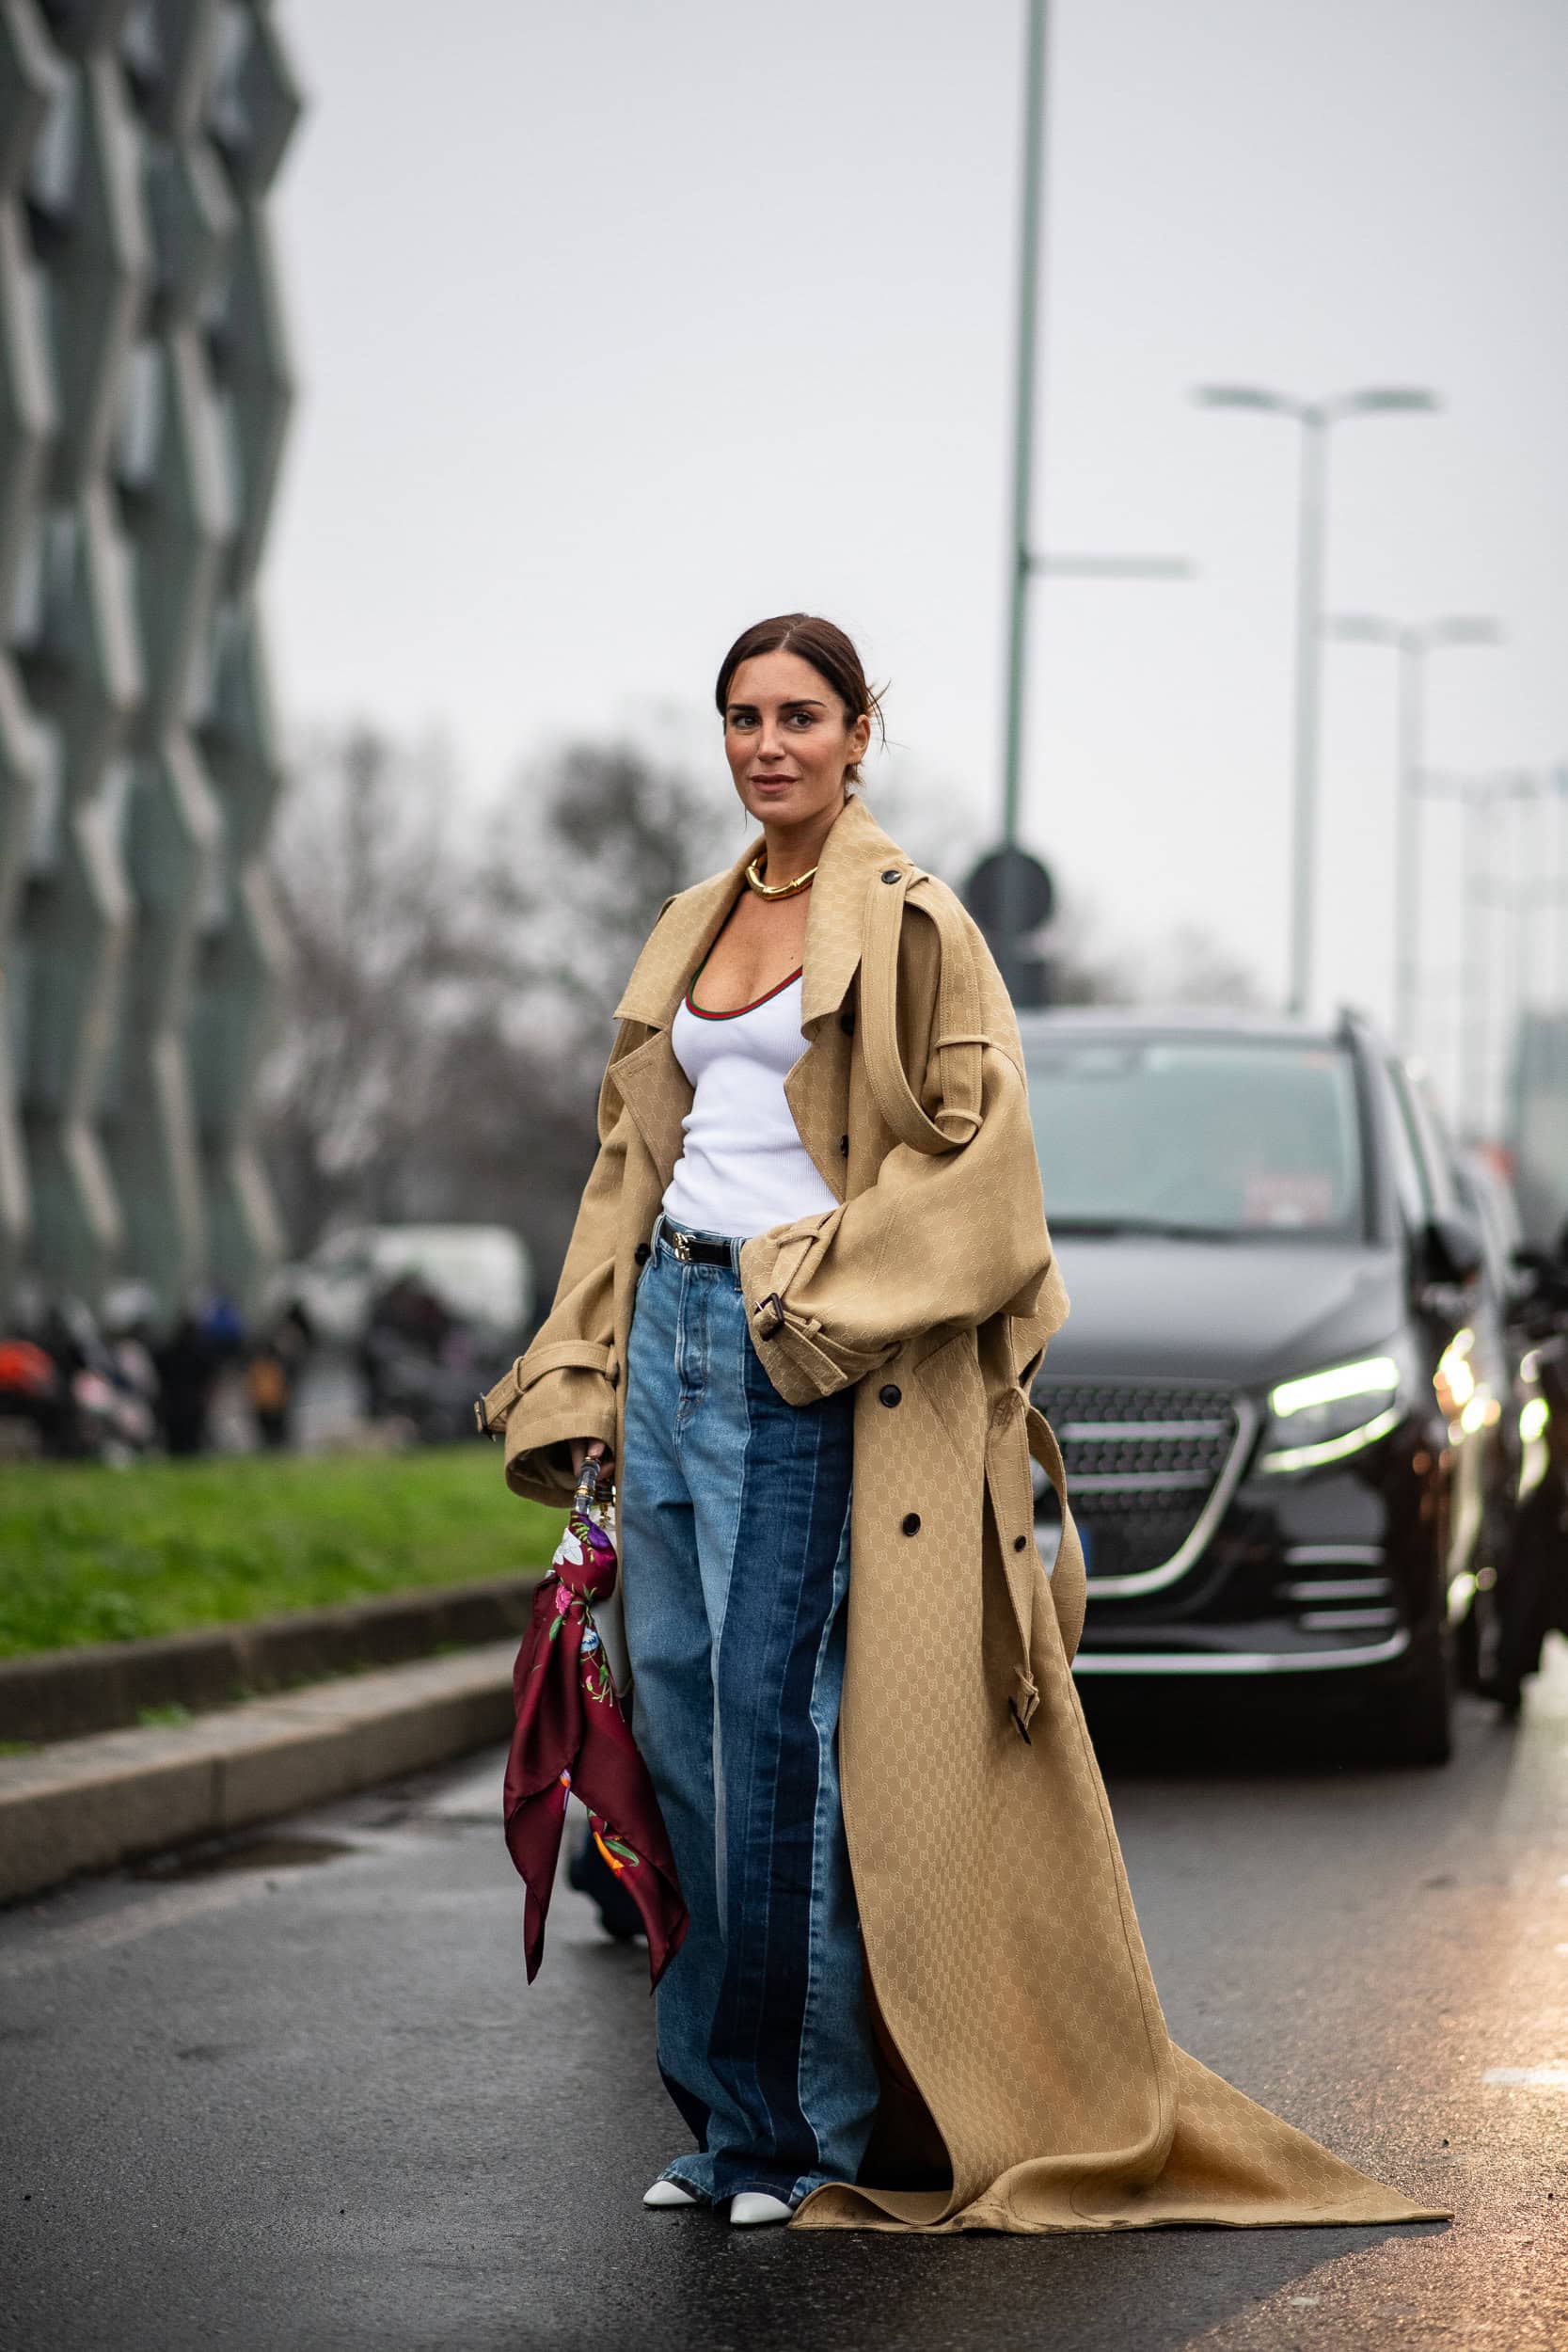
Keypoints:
pixel 1024 454
pixel 1314 417
pixel 1412 641
pixel 1478 797
pixel 1534 887
pixel 1009 921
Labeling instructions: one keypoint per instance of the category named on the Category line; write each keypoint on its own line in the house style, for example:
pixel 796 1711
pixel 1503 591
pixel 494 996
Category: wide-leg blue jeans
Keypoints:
pixel 735 1523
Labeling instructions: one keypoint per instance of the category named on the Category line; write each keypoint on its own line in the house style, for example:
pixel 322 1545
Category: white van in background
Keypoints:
pixel 482 1274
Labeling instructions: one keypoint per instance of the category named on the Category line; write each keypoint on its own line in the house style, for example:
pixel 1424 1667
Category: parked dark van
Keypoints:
pixel 1269 1391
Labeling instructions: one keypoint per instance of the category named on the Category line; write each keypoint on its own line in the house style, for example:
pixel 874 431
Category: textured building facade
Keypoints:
pixel 144 393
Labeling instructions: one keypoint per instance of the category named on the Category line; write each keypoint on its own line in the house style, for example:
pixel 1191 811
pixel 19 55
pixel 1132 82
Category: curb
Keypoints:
pixel 88 1804
pixel 61 1695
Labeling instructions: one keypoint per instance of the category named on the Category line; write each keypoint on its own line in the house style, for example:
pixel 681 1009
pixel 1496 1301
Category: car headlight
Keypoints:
pixel 1323 1416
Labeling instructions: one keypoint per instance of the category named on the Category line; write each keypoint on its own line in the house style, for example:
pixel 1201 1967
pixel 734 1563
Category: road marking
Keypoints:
pixel 1528 2078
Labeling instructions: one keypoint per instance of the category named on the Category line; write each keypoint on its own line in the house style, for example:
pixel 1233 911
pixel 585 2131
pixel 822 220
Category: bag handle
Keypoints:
pixel 958 1038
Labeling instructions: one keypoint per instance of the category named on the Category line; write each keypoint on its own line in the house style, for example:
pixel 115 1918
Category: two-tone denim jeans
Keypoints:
pixel 734 1534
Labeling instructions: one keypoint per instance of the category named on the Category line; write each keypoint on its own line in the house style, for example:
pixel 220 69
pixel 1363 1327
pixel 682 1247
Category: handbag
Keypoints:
pixel 572 1738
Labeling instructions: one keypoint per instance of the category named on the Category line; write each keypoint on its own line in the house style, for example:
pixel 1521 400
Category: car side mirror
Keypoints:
pixel 1453 1249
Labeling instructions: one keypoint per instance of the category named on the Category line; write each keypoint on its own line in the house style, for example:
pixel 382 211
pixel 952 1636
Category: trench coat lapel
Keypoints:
pixel 650 1080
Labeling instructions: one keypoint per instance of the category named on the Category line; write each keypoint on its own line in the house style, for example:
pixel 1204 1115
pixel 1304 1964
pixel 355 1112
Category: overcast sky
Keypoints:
pixel 618 327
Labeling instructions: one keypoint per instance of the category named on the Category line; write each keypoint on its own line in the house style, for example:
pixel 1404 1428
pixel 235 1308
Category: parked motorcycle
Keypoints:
pixel 80 1394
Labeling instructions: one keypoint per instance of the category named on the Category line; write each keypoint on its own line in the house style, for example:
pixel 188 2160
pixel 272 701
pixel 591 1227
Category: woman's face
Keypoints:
pixel 788 739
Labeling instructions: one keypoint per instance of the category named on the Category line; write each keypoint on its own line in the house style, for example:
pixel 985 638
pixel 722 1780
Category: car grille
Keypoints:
pixel 1143 1459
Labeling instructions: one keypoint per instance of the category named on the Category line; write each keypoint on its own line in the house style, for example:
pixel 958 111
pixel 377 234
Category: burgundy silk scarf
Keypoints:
pixel 572 1737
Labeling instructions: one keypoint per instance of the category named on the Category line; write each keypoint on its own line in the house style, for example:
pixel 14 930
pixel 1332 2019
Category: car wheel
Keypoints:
pixel 1416 1723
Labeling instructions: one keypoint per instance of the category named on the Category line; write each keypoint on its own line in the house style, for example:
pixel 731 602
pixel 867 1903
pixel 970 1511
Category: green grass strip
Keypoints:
pixel 97 1555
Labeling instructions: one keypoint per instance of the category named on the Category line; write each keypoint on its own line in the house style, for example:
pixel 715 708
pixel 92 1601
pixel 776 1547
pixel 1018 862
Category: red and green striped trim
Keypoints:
pixel 735 1014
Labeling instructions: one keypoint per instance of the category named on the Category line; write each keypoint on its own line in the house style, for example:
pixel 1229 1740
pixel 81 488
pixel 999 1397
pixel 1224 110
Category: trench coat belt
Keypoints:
pixel 1024 1581
pixel 490 1411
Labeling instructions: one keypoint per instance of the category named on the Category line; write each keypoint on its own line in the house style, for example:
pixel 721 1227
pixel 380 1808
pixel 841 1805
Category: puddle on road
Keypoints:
pixel 254 1853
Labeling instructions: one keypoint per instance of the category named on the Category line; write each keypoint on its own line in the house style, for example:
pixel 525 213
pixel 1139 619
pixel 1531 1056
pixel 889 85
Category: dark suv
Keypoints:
pixel 1269 1393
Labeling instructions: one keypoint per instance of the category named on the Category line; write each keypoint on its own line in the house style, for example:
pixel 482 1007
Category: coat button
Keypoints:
pixel 847 1022
pixel 890 1396
pixel 891 874
pixel 910 1523
pixel 1018 1542
pixel 642 1254
pixel 843 1146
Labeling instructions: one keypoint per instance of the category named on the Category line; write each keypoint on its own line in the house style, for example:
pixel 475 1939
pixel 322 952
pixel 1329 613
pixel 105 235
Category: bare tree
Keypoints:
pixel 371 893
pixel 453 975
pixel 619 834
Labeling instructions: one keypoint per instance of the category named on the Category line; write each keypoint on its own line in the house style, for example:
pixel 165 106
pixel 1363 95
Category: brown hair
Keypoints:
pixel 827 650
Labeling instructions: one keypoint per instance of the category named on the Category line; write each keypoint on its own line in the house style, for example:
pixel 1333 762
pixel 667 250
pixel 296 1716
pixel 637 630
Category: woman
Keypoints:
pixel 913 1994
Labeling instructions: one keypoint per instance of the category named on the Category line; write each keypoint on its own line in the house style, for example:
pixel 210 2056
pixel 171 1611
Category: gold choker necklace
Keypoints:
pixel 776 890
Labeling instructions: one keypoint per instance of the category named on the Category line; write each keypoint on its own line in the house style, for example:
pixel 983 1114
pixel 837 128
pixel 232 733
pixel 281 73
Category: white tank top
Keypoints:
pixel 743 1168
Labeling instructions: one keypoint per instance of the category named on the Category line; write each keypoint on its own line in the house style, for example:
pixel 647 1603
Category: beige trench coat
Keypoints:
pixel 1029 2080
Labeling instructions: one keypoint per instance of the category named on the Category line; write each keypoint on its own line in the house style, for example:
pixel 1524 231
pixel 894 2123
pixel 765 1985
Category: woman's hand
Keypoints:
pixel 590 1450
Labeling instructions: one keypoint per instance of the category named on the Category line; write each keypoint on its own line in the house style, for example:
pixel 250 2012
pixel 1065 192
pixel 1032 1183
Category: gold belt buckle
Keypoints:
pixel 681 1244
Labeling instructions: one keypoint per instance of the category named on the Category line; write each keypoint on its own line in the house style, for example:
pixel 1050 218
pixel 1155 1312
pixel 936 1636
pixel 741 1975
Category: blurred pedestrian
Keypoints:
pixel 808 1289
pixel 270 1392
pixel 187 1364
pixel 272 1374
pixel 406 1321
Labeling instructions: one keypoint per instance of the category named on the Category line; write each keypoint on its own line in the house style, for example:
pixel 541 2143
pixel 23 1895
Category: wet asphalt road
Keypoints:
pixel 310 2102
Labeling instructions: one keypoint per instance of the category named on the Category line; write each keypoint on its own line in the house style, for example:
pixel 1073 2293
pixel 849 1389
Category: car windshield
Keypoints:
pixel 1224 1137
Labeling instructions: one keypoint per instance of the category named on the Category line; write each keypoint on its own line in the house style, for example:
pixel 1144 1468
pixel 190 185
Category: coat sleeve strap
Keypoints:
pixel 958 1040
pixel 561 1355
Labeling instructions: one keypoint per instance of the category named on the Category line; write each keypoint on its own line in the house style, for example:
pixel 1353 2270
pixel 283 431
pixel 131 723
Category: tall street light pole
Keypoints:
pixel 1479 888
pixel 1559 786
pixel 1010 910
pixel 1011 919
pixel 1412 641
pixel 1314 417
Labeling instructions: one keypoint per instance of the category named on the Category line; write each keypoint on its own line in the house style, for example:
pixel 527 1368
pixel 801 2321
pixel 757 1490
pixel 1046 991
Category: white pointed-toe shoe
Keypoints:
pixel 754 2205
pixel 668 2193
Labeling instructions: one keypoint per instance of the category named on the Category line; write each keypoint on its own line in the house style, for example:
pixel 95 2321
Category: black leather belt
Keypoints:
pixel 691 1249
